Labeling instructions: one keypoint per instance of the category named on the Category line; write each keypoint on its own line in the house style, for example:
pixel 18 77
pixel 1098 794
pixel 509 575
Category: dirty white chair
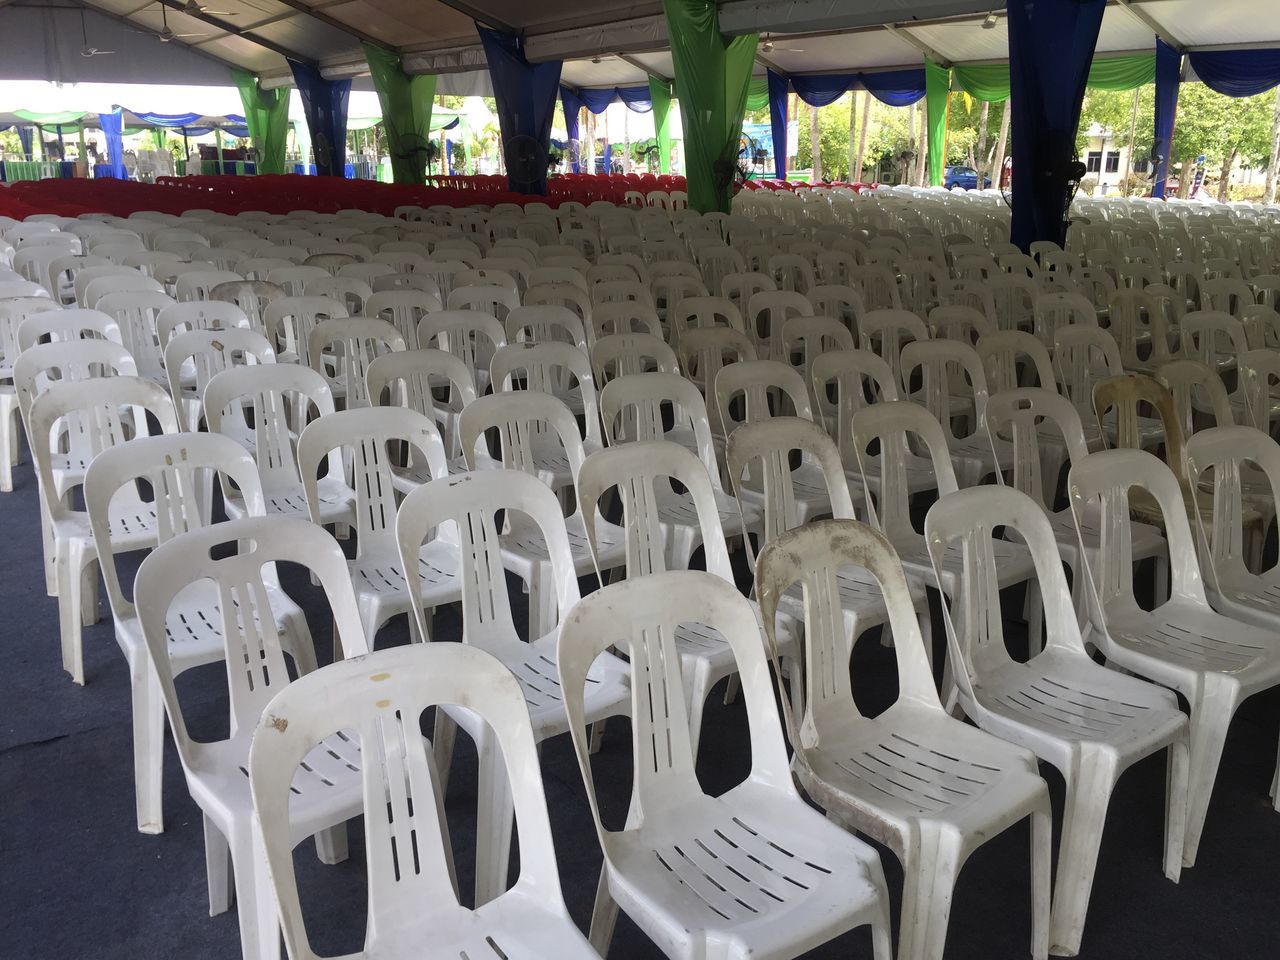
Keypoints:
pixel 366 440
pixel 1089 722
pixel 325 789
pixel 931 787
pixel 1214 661
pixel 197 285
pixel 773 878
pixel 380 699
pixel 465 506
pixel 266 397
pixel 93 414
pixel 179 469
pixel 295 279
pixel 197 315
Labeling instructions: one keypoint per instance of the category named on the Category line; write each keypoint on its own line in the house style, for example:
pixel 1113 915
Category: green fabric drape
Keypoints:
pixel 758 93
pixel 990 81
pixel 937 85
pixel 713 73
pixel 660 95
pixel 266 114
pixel 406 112
pixel 64 117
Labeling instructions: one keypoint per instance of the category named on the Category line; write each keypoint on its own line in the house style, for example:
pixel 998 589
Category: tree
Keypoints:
pixel 1273 162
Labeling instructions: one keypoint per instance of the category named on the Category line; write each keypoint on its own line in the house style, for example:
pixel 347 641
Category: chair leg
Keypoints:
pixel 1211 713
pixel 148 745
pixel 493 820
pixel 697 687
pixel 89 594
pixel 8 451
pixel 331 844
pixel 69 614
pixel 1089 787
pixel 929 879
pixel 604 916
pixel 255 899
pixel 50 550
pixel 542 601
pixel 1175 817
pixel 1041 878
pixel 217 865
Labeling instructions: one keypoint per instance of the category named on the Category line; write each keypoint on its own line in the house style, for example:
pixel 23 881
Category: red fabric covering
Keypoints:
pixel 281 194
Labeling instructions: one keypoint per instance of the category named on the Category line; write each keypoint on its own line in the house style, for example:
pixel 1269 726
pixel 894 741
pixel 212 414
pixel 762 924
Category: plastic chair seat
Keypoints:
pixel 1014 563
pixel 1147 540
pixel 678 510
pixel 1076 701
pixel 520 927
pixel 729 871
pixel 809 488
pixel 935 770
pixel 336 503
pixel 380 574
pixel 133 526
pixel 919 472
pixel 524 547
pixel 1179 636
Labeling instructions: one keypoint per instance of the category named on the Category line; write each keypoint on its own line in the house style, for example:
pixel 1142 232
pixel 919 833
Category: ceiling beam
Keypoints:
pixel 1152 24
pixel 467 9
pixel 807 16
pixel 315 14
pixel 902 33
pixel 769 64
pixel 230 28
pixel 627 58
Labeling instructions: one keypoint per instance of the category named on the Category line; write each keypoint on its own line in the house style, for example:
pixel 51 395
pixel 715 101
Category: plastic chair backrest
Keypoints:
pixel 56 325
pixel 1003 352
pixel 945 367
pixel 469 503
pixel 197 315
pixel 518 418
pixel 208 352
pixel 255 664
pixel 1193 385
pixel 1021 415
pixel 470 335
pixel 640 616
pixel 358 341
pixel 381 700
pixel 1054 311
pixel 1083 355
pixel 884 332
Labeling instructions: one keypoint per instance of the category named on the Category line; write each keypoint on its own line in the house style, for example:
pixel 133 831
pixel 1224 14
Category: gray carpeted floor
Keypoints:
pixel 77 880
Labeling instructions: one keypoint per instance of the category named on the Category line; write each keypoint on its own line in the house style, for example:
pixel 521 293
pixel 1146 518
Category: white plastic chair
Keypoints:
pixel 325 789
pixel 930 787
pixel 531 425
pixel 628 354
pixel 411 378
pixel 379 699
pixel 623 317
pixel 753 872
pixel 197 285
pixel 341 350
pixel 192 359
pixel 1089 722
pixel 197 315
pixel 559 369
pixel 632 408
pixel 1212 660
pixel 290 320
pixel 542 323
pixel 467 504
pixel 94 414
pixel 495 300
pixel 267 397
pixel 251 296
pixel 352 293
pixel 403 309
pixel 179 469
pixel 361 438
pixel 470 335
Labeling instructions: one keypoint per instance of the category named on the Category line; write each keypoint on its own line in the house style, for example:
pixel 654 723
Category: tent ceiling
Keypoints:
pixel 41 39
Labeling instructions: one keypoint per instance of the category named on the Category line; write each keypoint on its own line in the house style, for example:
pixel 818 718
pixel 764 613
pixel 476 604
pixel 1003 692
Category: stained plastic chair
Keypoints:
pixel 1215 662
pixel 95 414
pixel 1084 356
pixel 367 440
pixel 197 285
pixel 468 504
pixel 179 469
pixel 632 408
pixel 1089 722
pixel 268 397
pixel 930 787
pixel 325 788
pixel 378 699
pixel 341 350
pixel 772 878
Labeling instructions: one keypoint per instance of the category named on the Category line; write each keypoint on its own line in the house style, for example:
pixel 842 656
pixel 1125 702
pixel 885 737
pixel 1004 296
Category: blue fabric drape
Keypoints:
pixel 894 88
pixel 525 94
pixel 324 102
pixel 1168 79
pixel 573 100
pixel 608 158
pixel 113 133
pixel 1237 73
pixel 778 122
pixel 1050 49
pixel 169 120
pixel 24 135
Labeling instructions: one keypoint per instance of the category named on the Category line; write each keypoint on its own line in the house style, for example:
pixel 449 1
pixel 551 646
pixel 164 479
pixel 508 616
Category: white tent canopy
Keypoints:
pixel 602 42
